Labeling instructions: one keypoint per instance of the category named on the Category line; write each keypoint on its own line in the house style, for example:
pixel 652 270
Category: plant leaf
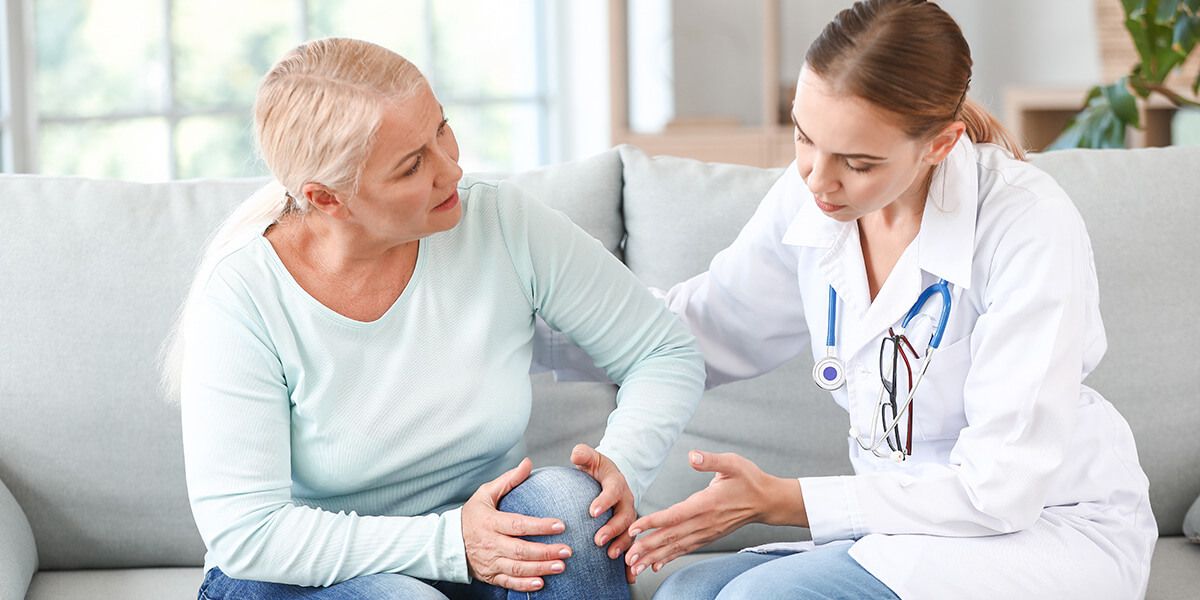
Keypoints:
pixel 1193 5
pixel 1134 9
pixel 1138 84
pixel 1122 102
pixel 1184 38
pixel 1166 11
pixel 1096 126
pixel 1141 41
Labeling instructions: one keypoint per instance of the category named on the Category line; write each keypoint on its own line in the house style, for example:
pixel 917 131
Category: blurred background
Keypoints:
pixel 162 89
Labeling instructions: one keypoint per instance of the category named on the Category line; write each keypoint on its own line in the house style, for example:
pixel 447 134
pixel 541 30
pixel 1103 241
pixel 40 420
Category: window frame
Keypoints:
pixel 20 121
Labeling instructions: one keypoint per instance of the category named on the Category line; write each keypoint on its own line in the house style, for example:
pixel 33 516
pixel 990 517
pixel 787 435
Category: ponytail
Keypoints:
pixel 247 221
pixel 983 128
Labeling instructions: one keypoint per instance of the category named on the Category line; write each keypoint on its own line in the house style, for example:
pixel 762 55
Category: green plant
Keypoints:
pixel 1164 33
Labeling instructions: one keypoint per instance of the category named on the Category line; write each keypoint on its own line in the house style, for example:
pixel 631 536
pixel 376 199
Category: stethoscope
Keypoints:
pixel 830 373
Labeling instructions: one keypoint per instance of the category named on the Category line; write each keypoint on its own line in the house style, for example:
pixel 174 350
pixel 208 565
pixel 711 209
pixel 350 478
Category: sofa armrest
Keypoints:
pixel 18 552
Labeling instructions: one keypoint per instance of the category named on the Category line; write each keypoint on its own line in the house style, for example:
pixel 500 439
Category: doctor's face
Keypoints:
pixel 852 156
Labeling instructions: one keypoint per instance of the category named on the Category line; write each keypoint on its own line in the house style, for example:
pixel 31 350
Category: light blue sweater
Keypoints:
pixel 320 448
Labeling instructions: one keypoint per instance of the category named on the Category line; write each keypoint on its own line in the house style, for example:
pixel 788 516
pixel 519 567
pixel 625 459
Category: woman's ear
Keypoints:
pixel 324 199
pixel 943 143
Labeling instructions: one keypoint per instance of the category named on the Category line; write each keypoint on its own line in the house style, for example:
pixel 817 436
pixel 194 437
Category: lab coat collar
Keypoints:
pixel 946 242
pixel 944 248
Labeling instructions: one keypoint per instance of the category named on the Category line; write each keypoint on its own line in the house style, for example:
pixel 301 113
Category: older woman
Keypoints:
pixel 355 354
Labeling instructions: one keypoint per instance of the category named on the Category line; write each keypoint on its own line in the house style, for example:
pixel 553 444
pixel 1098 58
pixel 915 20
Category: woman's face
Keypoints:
pixel 852 157
pixel 408 188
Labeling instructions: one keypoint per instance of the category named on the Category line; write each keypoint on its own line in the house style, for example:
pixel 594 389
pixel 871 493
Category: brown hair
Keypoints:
pixel 910 58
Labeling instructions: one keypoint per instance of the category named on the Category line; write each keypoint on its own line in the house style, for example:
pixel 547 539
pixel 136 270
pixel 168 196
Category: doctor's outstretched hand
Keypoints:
pixel 614 494
pixel 739 493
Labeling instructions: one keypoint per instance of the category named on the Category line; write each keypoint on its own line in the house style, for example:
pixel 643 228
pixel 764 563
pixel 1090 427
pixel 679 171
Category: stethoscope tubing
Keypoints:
pixel 833 364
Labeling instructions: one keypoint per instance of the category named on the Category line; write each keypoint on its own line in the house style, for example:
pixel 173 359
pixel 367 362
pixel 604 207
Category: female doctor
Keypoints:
pixel 947 290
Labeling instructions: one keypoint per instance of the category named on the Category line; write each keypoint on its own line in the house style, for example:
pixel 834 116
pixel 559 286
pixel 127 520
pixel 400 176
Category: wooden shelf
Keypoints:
pixel 1038 114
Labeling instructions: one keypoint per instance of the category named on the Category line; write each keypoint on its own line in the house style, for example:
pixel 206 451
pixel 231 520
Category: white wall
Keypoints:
pixel 717 50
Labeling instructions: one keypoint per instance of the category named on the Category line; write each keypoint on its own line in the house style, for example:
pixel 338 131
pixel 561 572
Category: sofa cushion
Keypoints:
pixel 18 551
pixel 1141 210
pixel 93 274
pixel 127 584
pixel 1174 570
pixel 679 213
pixel 1191 523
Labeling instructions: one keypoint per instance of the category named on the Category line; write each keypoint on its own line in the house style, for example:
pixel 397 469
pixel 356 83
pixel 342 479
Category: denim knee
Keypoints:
pixel 566 494
pixel 562 493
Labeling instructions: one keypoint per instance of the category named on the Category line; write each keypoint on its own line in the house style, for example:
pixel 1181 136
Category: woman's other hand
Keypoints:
pixel 614 494
pixel 496 554
pixel 739 493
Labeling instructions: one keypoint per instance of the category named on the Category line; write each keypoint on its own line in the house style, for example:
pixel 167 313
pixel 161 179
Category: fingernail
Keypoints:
pixel 657 566
pixel 565 553
pixel 635 532
pixel 558 527
pixel 537 583
pixel 613 554
pixel 639 569
pixel 556 567
pixel 600 541
pixel 696 458
pixel 595 512
pixel 633 559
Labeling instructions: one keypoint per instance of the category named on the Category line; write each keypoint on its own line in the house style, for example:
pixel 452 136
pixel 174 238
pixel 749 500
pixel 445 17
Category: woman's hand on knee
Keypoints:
pixel 614 494
pixel 495 553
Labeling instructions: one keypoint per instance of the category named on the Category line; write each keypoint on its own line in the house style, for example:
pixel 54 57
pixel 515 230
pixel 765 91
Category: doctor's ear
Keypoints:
pixel 942 143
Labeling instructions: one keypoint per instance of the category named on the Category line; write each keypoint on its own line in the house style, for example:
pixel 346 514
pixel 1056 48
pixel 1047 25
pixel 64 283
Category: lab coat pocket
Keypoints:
pixel 938 404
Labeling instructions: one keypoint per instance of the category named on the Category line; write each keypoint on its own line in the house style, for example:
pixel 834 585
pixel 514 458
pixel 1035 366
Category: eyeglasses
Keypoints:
pixel 895 404
pixel 894 348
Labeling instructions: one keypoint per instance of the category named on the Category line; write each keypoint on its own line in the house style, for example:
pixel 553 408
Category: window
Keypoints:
pixel 162 89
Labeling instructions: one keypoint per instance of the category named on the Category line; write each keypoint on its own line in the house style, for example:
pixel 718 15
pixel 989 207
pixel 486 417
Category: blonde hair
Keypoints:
pixel 315 119
pixel 910 58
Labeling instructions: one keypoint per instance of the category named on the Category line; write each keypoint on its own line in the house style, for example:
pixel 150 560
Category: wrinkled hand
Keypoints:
pixel 739 493
pixel 495 553
pixel 614 494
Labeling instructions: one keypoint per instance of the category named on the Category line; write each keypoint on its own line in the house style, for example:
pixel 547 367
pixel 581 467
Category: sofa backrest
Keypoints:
pixel 1142 210
pixel 92 273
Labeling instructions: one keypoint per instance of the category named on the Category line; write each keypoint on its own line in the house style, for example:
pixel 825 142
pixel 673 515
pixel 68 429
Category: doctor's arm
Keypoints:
pixel 1019 396
pixel 746 310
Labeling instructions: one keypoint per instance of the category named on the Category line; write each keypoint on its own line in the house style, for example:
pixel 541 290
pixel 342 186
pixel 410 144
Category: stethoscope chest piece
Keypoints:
pixel 829 373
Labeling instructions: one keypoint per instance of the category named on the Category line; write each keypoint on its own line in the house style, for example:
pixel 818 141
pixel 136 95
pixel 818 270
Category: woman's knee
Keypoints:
pixel 566 494
pixel 557 492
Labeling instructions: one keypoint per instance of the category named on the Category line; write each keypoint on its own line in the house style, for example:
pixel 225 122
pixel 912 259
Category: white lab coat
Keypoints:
pixel 1024 483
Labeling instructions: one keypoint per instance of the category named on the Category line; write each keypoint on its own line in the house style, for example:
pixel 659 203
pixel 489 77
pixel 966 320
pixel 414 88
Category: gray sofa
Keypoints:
pixel 92 495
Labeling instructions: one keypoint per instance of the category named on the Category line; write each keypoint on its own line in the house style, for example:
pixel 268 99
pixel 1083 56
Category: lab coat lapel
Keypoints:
pixel 897 295
pixel 944 248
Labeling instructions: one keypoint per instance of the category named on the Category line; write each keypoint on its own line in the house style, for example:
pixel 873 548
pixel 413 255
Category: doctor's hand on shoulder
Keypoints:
pixel 739 493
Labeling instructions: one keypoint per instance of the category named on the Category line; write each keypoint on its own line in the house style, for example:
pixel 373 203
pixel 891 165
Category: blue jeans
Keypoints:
pixel 560 492
pixel 827 573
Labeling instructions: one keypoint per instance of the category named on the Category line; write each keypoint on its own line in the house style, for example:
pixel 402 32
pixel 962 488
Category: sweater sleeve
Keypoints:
pixel 237 445
pixel 582 290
